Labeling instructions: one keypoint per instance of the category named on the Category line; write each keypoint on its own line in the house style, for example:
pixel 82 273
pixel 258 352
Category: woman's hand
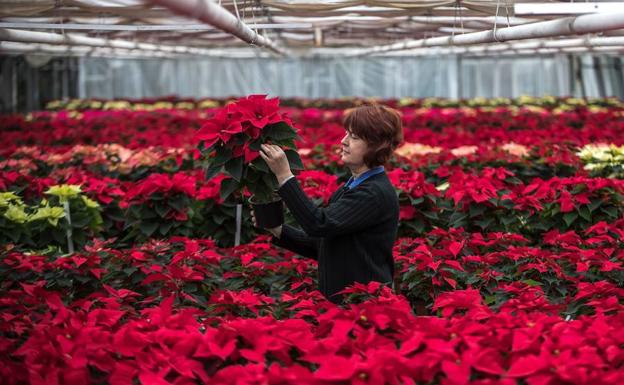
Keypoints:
pixel 276 231
pixel 277 161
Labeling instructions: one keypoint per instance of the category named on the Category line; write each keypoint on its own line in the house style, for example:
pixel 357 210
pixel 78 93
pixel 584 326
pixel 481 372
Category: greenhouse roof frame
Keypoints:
pixel 302 27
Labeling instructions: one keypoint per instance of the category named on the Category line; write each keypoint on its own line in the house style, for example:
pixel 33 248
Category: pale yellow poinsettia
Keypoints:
pixel 8 197
pixel 51 214
pixel 64 192
pixel 16 213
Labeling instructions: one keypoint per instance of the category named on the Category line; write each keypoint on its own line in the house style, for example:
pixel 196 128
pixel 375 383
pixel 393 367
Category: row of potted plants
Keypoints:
pixel 509 270
pixel 190 103
pixel 186 203
pixel 484 308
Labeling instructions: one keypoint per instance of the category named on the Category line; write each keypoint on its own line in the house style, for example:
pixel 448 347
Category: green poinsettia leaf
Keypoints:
pixel 255 145
pixel 260 165
pixel 279 131
pixel 234 167
pixel 212 171
pixel 228 186
pixel 569 218
pixel 223 155
pixel 294 160
pixel 287 143
pixel 148 228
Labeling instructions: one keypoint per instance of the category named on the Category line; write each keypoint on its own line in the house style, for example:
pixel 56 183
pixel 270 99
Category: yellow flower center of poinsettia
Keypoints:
pixel 64 192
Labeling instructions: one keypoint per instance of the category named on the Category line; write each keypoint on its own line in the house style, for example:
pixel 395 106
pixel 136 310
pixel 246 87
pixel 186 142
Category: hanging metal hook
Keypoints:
pixel 496 22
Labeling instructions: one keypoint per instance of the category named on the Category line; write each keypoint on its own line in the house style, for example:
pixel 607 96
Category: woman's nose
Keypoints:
pixel 344 139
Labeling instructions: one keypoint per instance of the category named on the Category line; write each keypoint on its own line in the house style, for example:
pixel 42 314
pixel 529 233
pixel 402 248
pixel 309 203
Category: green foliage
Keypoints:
pixel 48 223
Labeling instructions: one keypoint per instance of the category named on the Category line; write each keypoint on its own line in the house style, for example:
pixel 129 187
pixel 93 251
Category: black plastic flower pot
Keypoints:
pixel 268 215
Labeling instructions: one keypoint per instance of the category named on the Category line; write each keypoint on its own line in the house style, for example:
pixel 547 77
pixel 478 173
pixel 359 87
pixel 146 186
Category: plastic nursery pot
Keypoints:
pixel 268 214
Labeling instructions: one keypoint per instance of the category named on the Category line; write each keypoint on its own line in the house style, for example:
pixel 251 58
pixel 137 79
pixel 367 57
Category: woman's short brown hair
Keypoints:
pixel 380 127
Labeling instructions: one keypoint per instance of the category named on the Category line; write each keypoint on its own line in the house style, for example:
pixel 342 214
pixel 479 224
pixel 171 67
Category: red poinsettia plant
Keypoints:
pixel 231 140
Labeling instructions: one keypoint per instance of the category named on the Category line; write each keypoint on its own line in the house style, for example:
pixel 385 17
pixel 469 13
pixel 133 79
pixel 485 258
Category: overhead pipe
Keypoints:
pixel 69 39
pixel 17 35
pixel 482 52
pixel 567 26
pixel 141 27
pixel 610 41
pixel 212 13
pixel 596 43
pixel 9 47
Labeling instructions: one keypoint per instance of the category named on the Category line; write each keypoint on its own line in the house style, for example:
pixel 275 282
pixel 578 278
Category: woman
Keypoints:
pixel 352 237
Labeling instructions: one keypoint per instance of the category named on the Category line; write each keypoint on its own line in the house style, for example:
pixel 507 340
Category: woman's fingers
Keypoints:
pixel 267 149
pixel 276 150
pixel 271 150
pixel 253 219
pixel 275 158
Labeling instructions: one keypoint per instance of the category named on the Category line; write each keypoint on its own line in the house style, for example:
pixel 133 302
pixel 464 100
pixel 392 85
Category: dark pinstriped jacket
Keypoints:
pixel 351 238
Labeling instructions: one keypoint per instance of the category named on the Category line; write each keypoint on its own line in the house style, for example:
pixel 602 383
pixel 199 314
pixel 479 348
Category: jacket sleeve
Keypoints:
pixel 298 242
pixel 354 210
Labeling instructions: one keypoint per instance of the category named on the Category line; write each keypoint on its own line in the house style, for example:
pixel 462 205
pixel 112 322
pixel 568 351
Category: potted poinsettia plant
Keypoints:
pixel 230 142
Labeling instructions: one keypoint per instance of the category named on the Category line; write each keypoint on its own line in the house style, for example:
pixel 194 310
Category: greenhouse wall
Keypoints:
pixel 387 77
pixel 451 77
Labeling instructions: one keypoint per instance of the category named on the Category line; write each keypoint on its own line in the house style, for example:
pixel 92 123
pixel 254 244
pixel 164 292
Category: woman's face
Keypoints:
pixel 353 150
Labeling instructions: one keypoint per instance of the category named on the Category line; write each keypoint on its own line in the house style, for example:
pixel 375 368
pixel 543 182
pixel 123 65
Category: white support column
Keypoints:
pixel 566 26
pixel 212 13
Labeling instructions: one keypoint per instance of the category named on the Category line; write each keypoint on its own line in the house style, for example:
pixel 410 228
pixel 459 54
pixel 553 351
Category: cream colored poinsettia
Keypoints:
pixel 416 149
pixel 515 149
pixel 602 155
pixel 117 105
pixel 405 102
pixel 208 103
pixel 184 106
pixel 443 187
pixel 535 109
pixel 575 101
pixel 525 100
pixel 464 150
